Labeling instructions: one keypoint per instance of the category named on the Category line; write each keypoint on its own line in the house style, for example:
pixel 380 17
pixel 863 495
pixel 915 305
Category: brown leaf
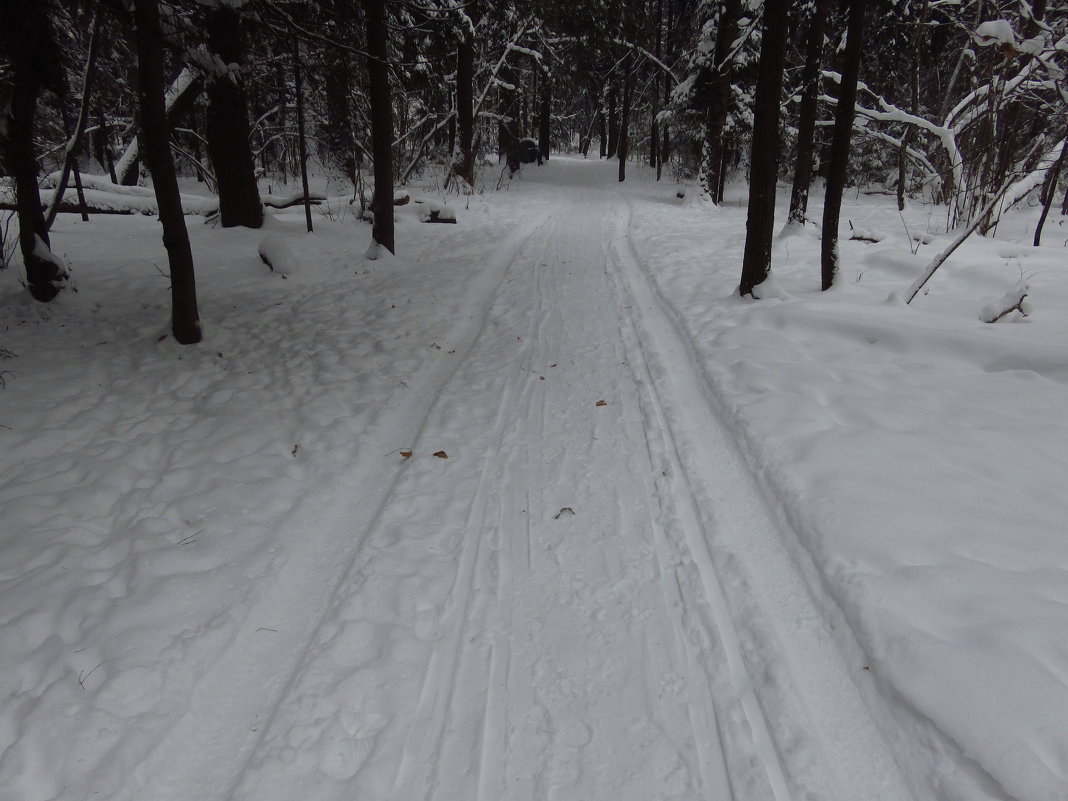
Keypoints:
pixel 602 403
pixel 442 455
pixel 406 454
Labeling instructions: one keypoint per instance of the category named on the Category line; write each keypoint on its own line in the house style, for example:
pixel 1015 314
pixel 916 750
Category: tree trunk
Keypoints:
pixel 719 99
pixel 1049 189
pixel 381 121
pixel 764 158
pixel 839 154
pixel 185 319
pixel 613 122
pixel 624 125
pixel 509 111
pixel 73 140
pixel 545 120
pixel 806 122
pixel 602 133
pixel 228 127
pixel 464 161
pixel 301 141
pixel 654 126
pixel 339 132
pixel 27 38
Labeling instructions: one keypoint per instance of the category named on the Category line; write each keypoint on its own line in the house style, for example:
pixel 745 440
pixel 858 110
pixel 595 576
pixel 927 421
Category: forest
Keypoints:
pixel 960 103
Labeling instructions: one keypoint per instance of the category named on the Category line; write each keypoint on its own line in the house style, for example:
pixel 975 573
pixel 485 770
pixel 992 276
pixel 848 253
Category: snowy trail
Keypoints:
pixel 586 598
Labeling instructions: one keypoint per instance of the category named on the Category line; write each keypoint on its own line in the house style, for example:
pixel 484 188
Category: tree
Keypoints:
pixel 806 123
pixel 29 46
pixel 185 319
pixel 381 121
pixel 840 139
pixel 718 98
pixel 228 126
pixel 764 153
pixel 463 164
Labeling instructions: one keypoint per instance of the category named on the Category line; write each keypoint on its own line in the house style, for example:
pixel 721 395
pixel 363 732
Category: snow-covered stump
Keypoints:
pixel 276 254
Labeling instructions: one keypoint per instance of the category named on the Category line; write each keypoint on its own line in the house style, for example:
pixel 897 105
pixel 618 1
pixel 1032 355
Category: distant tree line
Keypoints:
pixel 960 102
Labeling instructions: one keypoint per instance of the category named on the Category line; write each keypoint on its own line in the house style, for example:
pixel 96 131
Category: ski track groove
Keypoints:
pixel 852 758
pixel 436 705
pixel 186 751
pixel 505 708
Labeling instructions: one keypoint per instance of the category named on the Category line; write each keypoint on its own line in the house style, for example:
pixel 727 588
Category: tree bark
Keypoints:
pixel 624 125
pixel 185 319
pixel 69 161
pixel 764 158
pixel 301 142
pixel 228 126
pixel 381 101
pixel 806 122
pixel 26 34
pixel 719 97
pixel 464 160
pixel 613 121
pixel 545 120
pixel 839 153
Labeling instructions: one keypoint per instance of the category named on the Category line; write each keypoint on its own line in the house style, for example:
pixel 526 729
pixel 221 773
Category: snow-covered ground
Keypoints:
pixel 538 509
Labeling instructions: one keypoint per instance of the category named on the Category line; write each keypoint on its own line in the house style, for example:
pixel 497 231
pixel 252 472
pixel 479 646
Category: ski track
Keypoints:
pixel 584 601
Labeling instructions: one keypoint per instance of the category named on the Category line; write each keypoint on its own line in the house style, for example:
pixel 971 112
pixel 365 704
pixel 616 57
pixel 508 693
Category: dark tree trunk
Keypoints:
pixel 27 41
pixel 339 133
pixel 624 126
pixel 602 132
pixel 228 127
pixel 301 141
pixel 381 100
pixel 665 134
pixel 464 165
pixel 719 99
pixel 101 146
pixel 806 121
pixel 613 122
pixel 1049 189
pixel 764 158
pixel 185 319
pixel 545 120
pixel 508 130
pixel 70 162
pixel 839 154
pixel 654 126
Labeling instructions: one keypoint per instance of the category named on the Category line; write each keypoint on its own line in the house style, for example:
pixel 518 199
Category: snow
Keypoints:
pixel 816 552
pixel 997 31
pixel 276 253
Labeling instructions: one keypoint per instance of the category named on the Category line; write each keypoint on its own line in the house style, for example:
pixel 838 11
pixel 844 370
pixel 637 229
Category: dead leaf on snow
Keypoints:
pixel 442 455
pixel 602 403
pixel 406 454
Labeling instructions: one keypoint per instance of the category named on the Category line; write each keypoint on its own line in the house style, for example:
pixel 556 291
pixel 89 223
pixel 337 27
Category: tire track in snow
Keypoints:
pixel 206 751
pixel 815 737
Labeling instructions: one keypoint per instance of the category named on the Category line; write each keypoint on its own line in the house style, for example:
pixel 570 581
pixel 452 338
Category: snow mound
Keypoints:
pixel 275 253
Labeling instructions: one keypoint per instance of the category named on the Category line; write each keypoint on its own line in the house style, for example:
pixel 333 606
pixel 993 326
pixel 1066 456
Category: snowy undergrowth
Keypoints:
pixel 919 454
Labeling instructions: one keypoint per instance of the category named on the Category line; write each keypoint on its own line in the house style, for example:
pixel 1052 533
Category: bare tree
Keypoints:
pixel 843 131
pixel 185 319
pixel 381 121
pixel 764 157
